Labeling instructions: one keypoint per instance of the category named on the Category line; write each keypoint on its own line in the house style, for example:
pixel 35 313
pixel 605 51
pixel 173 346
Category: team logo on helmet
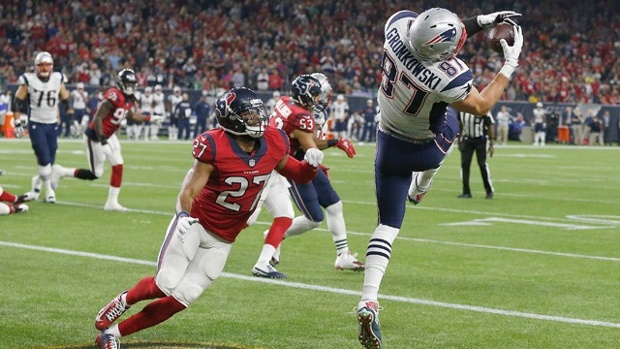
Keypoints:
pixel 447 36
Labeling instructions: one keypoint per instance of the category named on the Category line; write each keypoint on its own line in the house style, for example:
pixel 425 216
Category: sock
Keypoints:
pixel 155 313
pixel 277 230
pixel 6 196
pixel 377 258
pixel 117 176
pixel 144 289
pixel 337 227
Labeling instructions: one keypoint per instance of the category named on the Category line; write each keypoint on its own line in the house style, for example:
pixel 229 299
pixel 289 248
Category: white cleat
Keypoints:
pixel 50 197
pixel 114 206
pixel 347 261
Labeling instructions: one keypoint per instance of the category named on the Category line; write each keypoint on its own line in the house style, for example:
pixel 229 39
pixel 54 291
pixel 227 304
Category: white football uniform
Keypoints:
pixel 419 88
pixel 43 96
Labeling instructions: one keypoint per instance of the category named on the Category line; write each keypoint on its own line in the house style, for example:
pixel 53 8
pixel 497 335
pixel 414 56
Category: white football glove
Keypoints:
pixel 314 157
pixel 495 18
pixel 184 223
pixel 511 53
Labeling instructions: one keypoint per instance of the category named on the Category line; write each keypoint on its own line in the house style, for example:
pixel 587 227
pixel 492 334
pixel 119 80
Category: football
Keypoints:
pixel 501 31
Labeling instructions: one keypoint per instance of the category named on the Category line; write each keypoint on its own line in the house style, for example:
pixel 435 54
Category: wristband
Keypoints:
pixel 332 142
pixel 182 214
pixel 507 70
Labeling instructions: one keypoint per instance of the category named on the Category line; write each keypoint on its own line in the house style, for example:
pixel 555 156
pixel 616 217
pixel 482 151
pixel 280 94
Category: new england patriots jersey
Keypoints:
pixel 415 93
pixel 112 121
pixel 234 188
pixel 43 96
pixel 289 117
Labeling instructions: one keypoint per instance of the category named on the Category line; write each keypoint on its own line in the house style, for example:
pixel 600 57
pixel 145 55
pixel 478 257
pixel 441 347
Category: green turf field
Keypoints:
pixel 536 267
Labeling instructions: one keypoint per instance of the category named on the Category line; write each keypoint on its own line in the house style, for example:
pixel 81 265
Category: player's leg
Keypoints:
pixel 467 155
pixel 278 202
pixel 116 178
pixel 485 170
pixel 306 199
pixel 43 138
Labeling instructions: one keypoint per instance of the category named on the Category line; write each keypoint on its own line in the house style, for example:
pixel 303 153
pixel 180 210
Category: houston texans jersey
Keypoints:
pixel 43 96
pixel 112 121
pixel 289 117
pixel 233 190
pixel 414 94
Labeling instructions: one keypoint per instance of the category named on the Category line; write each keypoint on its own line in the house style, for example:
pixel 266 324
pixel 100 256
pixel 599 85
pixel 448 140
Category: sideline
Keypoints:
pixel 478 309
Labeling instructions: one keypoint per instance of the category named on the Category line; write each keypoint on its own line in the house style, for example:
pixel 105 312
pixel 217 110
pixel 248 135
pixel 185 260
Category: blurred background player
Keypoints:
pixel 340 115
pixel 173 100
pixel 370 125
pixel 540 125
pixel 503 119
pixel 11 203
pixel 422 75
pixel 79 98
pixel 146 108
pixel 38 96
pixel 195 250
pixel 182 112
pixel 101 141
pixel 202 108
pixel 151 129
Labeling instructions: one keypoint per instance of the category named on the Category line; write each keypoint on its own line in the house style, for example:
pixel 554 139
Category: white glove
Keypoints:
pixel 511 53
pixel 495 18
pixel 314 157
pixel 184 223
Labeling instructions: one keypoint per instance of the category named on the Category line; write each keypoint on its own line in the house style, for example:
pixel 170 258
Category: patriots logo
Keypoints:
pixel 448 35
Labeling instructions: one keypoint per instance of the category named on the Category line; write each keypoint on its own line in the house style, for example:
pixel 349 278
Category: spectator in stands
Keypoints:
pixel 202 108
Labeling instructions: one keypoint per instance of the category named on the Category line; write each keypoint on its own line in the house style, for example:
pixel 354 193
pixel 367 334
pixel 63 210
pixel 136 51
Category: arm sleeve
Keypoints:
pixel 471 25
pixel 298 171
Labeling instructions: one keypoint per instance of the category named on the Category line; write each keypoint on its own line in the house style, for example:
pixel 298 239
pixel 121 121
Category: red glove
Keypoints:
pixel 347 146
pixel 325 170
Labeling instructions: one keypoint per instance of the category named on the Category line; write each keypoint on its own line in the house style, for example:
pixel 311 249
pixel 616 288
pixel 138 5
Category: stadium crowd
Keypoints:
pixel 571 52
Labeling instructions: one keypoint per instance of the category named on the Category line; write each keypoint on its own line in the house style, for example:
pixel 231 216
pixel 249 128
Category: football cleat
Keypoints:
pixel 111 312
pixel 20 208
pixel 50 197
pixel 55 178
pixel 114 206
pixel 368 325
pixel 464 196
pixel 347 261
pixel 107 341
pixel 416 194
pixel 267 272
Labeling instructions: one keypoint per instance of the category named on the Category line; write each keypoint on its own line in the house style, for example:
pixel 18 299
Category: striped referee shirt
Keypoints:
pixel 473 126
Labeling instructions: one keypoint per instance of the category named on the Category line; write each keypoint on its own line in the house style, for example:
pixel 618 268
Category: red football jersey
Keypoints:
pixel 112 121
pixel 289 117
pixel 233 189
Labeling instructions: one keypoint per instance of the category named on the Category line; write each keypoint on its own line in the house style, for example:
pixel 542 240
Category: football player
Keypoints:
pixel 146 108
pixel 159 110
pixel 173 100
pixel 37 96
pixel 421 77
pixel 296 116
pixel 100 138
pixel 79 97
pixel 232 164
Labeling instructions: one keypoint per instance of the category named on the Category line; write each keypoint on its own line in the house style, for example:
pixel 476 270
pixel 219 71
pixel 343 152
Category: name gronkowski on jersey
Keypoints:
pixel 414 94
pixel 112 121
pixel 289 117
pixel 234 188
pixel 43 96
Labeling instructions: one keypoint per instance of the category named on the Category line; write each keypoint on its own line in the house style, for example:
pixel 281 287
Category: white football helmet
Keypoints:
pixel 326 89
pixel 43 64
pixel 436 35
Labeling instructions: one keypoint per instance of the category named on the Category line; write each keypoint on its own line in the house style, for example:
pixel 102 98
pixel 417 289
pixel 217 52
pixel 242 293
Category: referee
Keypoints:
pixel 475 132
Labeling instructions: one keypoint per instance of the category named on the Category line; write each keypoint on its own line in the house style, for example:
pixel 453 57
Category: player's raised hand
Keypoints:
pixel 511 53
pixel 347 146
pixel 495 18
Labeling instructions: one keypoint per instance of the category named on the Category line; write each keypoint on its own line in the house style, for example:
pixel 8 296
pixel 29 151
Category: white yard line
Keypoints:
pixel 586 322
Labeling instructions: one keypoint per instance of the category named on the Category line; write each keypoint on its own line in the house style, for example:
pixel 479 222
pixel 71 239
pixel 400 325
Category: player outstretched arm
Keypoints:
pixel 301 171
pixel 481 102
